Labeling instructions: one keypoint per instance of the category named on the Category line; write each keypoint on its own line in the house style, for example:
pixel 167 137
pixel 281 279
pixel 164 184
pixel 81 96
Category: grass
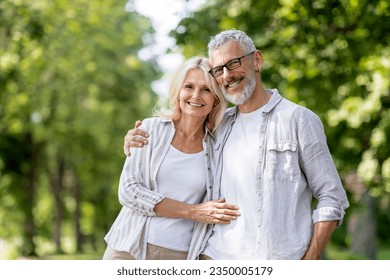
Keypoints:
pixel 332 253
pixel 61 257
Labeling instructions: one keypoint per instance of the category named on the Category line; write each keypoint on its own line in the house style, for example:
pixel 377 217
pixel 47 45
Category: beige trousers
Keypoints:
pixel 203 257
pixel 153 252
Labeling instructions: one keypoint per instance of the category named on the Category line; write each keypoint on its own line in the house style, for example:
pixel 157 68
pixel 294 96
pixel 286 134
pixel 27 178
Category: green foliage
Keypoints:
pixel 71 83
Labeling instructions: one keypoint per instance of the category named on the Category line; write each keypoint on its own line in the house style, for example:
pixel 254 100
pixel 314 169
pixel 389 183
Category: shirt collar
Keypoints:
pixel 275 99
pixel 208 132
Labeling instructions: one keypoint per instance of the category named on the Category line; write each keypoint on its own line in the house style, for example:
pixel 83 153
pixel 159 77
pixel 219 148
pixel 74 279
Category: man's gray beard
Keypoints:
pixel 241 97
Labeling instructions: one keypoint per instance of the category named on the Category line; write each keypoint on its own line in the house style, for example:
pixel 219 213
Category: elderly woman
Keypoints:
pixel 166 187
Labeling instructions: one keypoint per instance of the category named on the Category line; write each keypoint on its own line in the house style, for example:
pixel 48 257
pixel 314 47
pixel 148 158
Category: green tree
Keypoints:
pixel 71 82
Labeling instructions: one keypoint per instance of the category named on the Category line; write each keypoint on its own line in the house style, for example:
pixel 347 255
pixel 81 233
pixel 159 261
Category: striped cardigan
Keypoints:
pixel 138 189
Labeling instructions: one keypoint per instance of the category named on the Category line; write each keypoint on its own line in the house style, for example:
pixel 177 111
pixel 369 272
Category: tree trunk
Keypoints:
pixel 29 246
pixel 77 214
pixel 57 188
pixel 362 226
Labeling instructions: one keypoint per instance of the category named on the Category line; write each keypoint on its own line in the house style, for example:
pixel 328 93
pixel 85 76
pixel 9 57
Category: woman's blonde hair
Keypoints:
pixel 215 116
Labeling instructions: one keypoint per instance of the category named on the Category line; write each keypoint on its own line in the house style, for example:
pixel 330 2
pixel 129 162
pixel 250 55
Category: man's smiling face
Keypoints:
pixel 237 85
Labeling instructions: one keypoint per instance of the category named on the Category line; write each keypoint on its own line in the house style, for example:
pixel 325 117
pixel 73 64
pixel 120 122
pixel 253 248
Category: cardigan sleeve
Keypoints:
pixel 135 191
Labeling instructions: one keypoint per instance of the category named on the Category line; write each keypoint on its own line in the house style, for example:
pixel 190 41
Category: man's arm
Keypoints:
pixel 323 181
pixel 135 138
pixel 321 235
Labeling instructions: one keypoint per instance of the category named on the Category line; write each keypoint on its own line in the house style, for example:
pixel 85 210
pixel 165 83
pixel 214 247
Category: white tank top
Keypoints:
pixel 181 177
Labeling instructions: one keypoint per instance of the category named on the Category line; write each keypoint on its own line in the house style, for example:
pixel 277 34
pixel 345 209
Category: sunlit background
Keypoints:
pixel 164 17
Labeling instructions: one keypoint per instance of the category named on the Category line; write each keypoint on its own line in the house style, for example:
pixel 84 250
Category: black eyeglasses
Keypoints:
pixel 230 65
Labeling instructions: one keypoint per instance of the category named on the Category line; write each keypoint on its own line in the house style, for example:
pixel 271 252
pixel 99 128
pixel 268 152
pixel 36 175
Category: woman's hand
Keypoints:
pixel 214 212
pixel 135 138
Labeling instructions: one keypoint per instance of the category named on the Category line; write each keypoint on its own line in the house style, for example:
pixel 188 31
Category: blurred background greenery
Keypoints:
pixel 72 83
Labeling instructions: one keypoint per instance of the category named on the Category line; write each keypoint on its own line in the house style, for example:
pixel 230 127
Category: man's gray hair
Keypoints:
pixel 231 35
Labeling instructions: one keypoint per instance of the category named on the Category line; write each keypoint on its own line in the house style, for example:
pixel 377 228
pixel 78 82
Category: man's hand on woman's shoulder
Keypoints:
pixel 135 138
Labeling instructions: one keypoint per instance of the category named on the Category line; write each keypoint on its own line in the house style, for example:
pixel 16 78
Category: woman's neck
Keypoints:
pixel 191 128
pixel 189 135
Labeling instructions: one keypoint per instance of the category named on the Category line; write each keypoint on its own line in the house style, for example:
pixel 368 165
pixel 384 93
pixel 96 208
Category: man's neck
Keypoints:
pixel 259 98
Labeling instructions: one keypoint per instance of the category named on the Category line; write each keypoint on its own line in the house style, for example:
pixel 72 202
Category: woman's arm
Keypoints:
pixel 134 194
pixel 209 212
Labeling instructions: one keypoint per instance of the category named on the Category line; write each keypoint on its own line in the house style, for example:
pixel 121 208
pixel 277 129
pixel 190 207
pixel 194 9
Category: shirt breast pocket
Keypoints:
pixel 282 161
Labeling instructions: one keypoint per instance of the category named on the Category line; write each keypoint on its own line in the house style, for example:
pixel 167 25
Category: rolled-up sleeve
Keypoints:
pixel 320 170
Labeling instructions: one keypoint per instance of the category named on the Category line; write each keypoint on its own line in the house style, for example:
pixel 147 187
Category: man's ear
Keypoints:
pixel 258 60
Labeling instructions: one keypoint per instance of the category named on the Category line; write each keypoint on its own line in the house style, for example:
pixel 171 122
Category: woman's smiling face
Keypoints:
pixel 196 98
